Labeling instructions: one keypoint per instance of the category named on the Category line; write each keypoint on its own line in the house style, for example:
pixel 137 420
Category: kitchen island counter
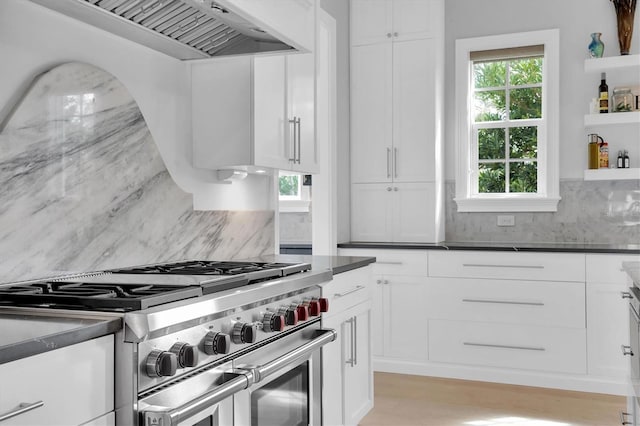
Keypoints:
pixel 501 246
pixel 27 332
pixel 633 270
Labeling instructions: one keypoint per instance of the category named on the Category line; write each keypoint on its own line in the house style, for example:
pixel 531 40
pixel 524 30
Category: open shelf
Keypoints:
pixel 612 118
pixel 612 174
pixel 611 63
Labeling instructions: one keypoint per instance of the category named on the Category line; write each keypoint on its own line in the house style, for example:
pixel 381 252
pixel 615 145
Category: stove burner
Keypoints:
pixel 203 267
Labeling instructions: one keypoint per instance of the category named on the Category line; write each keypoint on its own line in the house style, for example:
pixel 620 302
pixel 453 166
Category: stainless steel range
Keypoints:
pixel 205 343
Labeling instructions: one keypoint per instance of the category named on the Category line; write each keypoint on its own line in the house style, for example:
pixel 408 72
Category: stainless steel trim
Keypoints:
pixel 22 408
pixel 395 162
pixel 504 302
pixel 489 345
pixel 172 417
pixel 480 265
pixel 626 350
pixel 358 288
pixel 379 262
pixel 324 336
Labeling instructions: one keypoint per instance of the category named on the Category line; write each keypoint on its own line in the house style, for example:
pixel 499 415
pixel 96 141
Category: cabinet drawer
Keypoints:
pixel 393 262
pixel 348 289
pixel 75 384
pixel 507 301
pixel 508 265
pixel 508 346
pixel 607 268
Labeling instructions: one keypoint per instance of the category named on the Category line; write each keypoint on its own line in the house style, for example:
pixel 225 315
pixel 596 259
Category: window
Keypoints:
pixel 507 122
pixel 294 196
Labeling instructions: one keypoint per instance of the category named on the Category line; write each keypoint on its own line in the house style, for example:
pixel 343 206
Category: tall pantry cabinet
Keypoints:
pixel 397 67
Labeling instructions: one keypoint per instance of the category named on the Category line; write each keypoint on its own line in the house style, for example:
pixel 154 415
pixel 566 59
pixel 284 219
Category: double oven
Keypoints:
pixel 205 343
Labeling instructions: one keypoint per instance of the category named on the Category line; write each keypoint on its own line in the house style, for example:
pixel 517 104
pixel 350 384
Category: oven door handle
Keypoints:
pixel 322 338
pixel 176 415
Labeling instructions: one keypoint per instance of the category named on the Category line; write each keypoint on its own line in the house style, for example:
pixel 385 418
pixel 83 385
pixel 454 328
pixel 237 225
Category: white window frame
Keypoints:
pixel 295 203
pixel 548 195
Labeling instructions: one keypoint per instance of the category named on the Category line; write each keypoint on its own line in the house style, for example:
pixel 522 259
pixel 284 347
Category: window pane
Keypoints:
pixel 491 178
pixel 490 105
pixel 489 74
pixel 526 103
pixel 289 185
pixel 523 142
pixel 523 177
pixel 491 144
pixel 526 71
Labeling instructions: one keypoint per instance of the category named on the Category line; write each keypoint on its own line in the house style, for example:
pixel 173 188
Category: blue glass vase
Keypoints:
pixel 596 47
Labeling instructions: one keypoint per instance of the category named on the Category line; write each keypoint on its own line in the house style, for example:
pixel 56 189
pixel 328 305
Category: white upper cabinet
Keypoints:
pixel 376 21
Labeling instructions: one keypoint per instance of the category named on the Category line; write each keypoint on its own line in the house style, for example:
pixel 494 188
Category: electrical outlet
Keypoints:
pixel 506 220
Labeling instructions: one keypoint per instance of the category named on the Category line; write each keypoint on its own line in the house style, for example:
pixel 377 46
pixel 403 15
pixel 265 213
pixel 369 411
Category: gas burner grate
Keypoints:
pixel 202 267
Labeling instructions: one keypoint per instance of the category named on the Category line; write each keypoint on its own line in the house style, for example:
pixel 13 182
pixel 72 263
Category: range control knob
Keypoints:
pixel 324 304
pixel 290 314
pixel 314 308
pixel 303 312
pixel 161 363
pixel 217 343
pixel 187 354
pixel 244 333
pixel 271 321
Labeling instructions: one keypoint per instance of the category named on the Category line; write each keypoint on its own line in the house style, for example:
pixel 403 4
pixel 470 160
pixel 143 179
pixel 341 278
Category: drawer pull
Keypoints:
pixel 626 295
pixel 626 350
pixel 478 265
pixel 488 345
pixel 503 302
pixel 22 408
pixel 623 418
pixel 388 263
pixel 358 288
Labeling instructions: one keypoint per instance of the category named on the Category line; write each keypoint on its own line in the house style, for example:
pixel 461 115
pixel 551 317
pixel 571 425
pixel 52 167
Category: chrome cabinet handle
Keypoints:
pixel 388 162
pixel 489 345
pixel 176 415
pixel 504 302
pixel 395 34
pixel 358 288
pixel 354 338
pixel 623 418
pixel 22 408
pixel 395 161
pixel 626 350
pixel 388 35
pixel 626 295
pixel 480 265
pixel 299 139
pixel 382 262
pixel 351 360
pixel 294 144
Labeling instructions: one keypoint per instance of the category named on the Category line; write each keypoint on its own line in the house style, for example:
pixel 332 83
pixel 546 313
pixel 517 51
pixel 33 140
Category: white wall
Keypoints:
pixel 33 39
pixel 576 19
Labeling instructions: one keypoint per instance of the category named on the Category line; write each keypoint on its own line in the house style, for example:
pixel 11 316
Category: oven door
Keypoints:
pixel 205 399
pixel 287 388
pixel 634 339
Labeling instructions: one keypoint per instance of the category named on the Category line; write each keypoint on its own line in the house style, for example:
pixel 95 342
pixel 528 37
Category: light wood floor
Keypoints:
pixel 416 400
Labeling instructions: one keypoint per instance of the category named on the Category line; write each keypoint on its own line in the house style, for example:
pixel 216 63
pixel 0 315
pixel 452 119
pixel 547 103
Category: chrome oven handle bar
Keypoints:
pixel 22 408
pixel 323 337
pixel 174 416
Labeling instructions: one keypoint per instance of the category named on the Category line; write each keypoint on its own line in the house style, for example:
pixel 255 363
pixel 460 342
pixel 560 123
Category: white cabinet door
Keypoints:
pixel 358 373
pixel 272 146
pixel 405 327
pixel 371 113
pixel 413 213
pixel 414 136
pixel 333 372
pixel 301 107
pixel 371 21
pixel 412 19
pixel 371 212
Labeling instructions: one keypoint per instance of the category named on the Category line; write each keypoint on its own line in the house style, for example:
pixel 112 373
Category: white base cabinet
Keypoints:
pixel 75 385
pixel 347 373
pixel 554 320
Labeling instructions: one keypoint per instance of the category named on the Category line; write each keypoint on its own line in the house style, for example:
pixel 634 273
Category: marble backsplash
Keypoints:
pixel 599 212
pixel 85 188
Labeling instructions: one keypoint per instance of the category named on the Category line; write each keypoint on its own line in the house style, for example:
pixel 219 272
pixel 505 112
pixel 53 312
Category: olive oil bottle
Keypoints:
pixel 603 94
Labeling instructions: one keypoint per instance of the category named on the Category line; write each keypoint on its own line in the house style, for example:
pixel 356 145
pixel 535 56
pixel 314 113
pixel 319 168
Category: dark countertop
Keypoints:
pixel 496 246
pixel 27 332
pixel 633 270
pixel 337 264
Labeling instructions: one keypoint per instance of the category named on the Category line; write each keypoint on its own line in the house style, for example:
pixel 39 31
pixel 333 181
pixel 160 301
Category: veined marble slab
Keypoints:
pixel 84 187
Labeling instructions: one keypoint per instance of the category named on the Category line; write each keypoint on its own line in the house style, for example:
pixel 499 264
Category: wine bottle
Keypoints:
pixel 603 96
